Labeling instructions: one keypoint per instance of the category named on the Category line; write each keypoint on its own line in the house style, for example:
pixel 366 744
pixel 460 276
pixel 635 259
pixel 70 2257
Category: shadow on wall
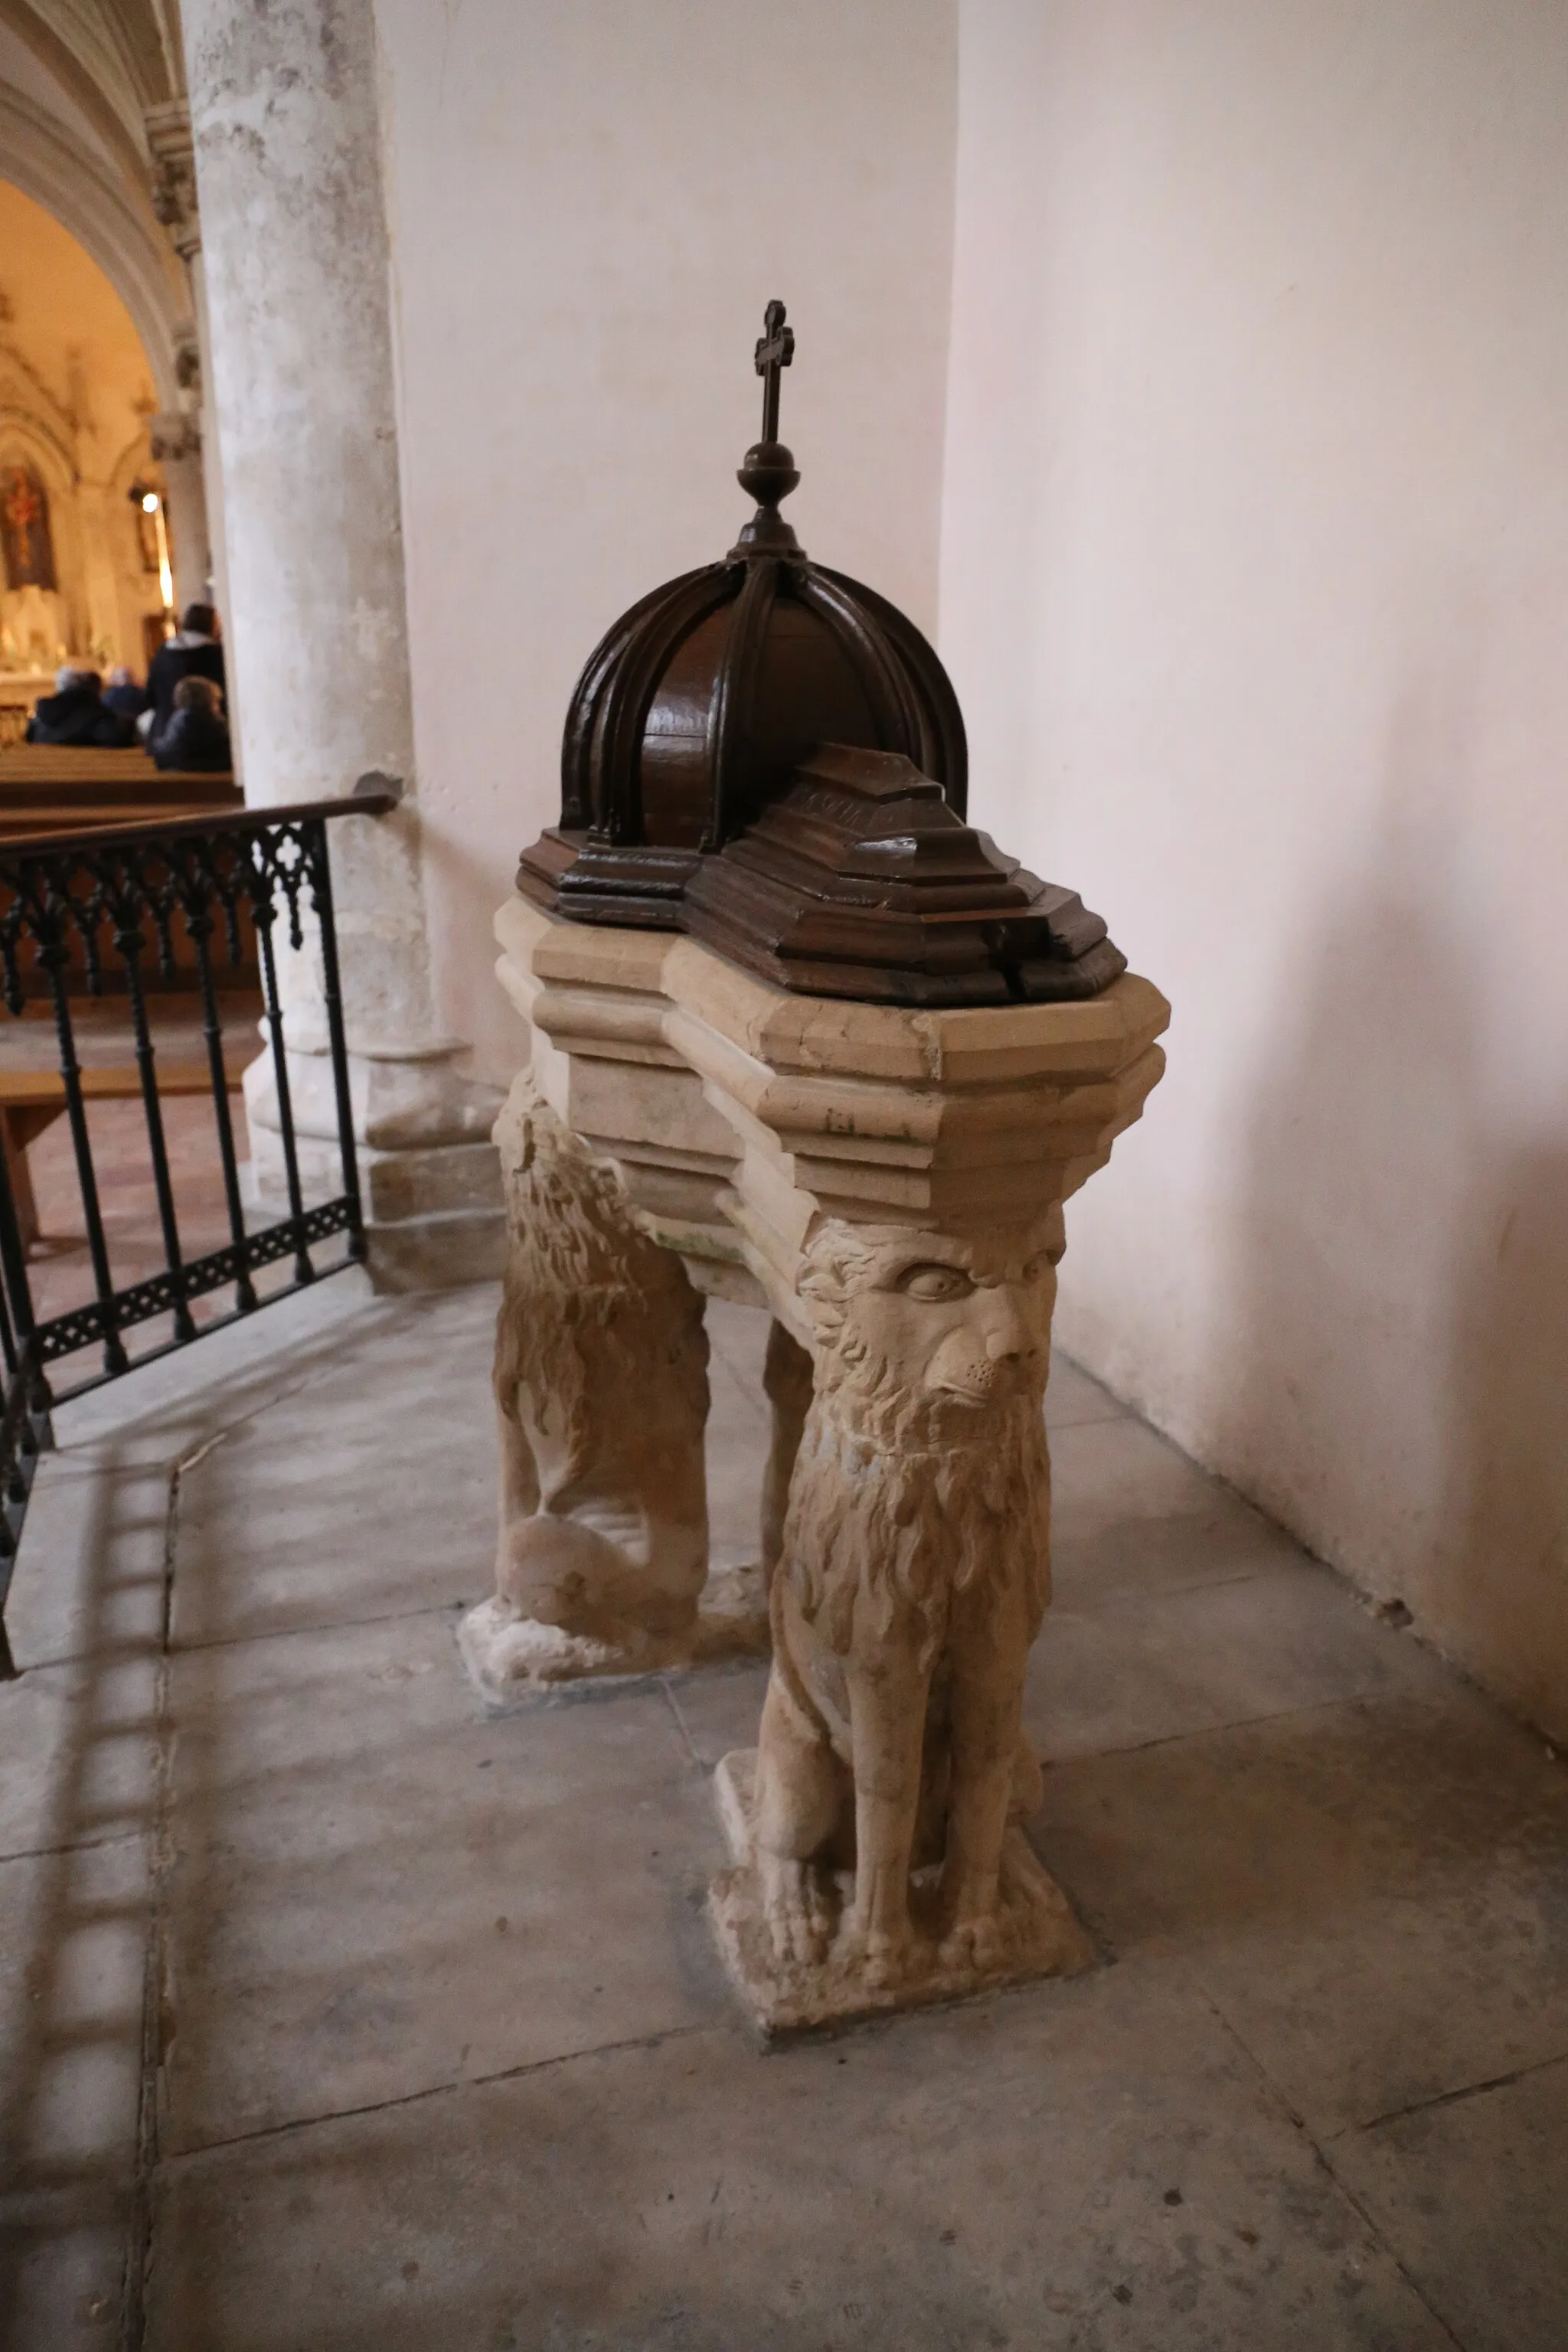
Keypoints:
pixel 1398 1389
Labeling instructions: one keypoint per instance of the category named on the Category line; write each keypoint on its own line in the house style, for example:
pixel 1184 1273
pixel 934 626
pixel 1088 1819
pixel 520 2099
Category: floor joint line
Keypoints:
pixel 154 1982
pixel 1453 2099
pixel 1320 2155
pixel 184 2155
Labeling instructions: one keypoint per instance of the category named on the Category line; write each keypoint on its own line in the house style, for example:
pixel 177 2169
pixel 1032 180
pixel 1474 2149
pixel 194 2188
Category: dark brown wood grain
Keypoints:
pixel 768 754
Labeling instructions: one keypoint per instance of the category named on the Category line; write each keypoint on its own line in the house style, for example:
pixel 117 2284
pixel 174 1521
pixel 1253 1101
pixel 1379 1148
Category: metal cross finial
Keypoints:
pixel 775 350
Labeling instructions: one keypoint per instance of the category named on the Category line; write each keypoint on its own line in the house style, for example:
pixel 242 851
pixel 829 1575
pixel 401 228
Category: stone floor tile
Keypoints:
pixel 1472 2195
pixel 62 2264
pixel 80 1748
pixel 1134 1670
pixel 1095 2166
pixel 379 1890
pixel 167 1407
pixel 1130 1514
pixel 73 1930
pixel 720 1707
pixel 1332 1877
pixel 89 1575
pixel 1372 1894
pixel 366 1489
pixel 1073 1396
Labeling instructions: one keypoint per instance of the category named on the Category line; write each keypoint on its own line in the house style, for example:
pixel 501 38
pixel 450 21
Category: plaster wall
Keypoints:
pixel 1255 587
pixel 588 208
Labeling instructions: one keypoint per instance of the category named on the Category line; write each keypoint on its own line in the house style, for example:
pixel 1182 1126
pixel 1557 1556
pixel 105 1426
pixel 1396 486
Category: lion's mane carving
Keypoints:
pixel 593 1314
pixel 913 1579
pixel 601 1386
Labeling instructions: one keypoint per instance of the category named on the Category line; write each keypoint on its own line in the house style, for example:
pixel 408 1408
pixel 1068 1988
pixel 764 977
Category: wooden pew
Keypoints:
pixel 31 1100
pixel 57 788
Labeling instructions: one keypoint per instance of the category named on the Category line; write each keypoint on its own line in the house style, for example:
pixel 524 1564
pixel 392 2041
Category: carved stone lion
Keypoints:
pixel 913 1576
pixel 601 1388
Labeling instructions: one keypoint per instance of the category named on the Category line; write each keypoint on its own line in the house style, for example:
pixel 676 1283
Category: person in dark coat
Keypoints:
pixel 197 733
pixel 123 694
pixel 75 713
pixel 195 651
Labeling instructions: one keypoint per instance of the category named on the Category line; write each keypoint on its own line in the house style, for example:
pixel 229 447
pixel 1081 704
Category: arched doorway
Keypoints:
pixel 84 569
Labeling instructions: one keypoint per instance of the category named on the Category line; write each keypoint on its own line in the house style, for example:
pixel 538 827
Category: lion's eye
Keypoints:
pixel 936 1282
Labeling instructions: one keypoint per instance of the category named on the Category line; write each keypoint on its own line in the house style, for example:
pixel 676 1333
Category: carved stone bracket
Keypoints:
pixel 173 435
pixel 174 189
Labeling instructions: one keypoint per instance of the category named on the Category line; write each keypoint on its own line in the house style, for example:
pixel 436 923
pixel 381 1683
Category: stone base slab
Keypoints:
pixel 784 1998
pixel 509 1657
pixel 433 1214
pixel 429 1179
pixel 440 1252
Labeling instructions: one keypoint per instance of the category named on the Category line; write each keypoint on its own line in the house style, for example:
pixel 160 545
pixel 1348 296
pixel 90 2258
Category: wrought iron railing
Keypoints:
pixel 119 910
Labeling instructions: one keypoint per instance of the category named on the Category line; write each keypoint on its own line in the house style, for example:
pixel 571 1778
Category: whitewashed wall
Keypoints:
pixel 1256 589
pixel 589 208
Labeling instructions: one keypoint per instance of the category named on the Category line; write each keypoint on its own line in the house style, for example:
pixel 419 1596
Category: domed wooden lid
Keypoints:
pixel 684 779
pixel 693 712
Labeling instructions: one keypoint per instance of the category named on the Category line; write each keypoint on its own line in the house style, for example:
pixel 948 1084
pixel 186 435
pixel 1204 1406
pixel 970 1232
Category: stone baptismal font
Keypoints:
pixel 802 1038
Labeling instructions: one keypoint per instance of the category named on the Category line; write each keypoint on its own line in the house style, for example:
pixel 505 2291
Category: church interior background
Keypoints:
pixel 379 1925
pixel 84 577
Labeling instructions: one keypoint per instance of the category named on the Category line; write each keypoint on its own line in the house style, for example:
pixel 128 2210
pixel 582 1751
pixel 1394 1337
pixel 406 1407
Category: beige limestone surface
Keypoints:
pixel 889 1185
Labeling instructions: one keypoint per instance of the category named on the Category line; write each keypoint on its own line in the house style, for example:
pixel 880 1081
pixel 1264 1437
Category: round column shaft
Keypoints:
pixel 294 246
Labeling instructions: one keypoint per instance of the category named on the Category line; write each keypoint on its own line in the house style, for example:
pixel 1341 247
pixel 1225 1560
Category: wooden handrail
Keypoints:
pixel 238 821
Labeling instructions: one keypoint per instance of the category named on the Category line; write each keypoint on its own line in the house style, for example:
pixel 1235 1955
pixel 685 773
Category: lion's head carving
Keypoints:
pixel 923 1469
pixel 923 1339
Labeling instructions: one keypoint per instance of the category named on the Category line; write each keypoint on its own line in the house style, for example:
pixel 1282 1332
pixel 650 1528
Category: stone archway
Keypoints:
pixel 38 155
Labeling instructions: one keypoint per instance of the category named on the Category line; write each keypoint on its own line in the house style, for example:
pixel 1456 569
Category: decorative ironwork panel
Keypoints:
pixel 119 912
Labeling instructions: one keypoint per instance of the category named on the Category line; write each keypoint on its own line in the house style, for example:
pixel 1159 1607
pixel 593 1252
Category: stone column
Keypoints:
pixel 176 446
pixel 294 235
pixel 178 437
pixel 100 588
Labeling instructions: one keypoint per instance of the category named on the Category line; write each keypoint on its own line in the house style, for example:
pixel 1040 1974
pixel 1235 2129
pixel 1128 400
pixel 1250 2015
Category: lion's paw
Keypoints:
pixel 883 1959
pixel 796 1911
pixel 978 1943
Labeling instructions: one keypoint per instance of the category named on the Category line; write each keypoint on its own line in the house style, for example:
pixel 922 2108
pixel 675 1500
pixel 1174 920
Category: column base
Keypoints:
pixel 441 1251
pixel 433 1213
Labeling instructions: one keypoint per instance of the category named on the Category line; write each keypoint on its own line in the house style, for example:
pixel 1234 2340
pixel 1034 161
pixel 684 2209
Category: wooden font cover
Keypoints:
pixel 770 756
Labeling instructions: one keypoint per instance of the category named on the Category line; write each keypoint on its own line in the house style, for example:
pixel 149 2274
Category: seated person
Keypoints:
pixel 75 713
pixel 195 651
pixel 197 733
pixel 123 694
